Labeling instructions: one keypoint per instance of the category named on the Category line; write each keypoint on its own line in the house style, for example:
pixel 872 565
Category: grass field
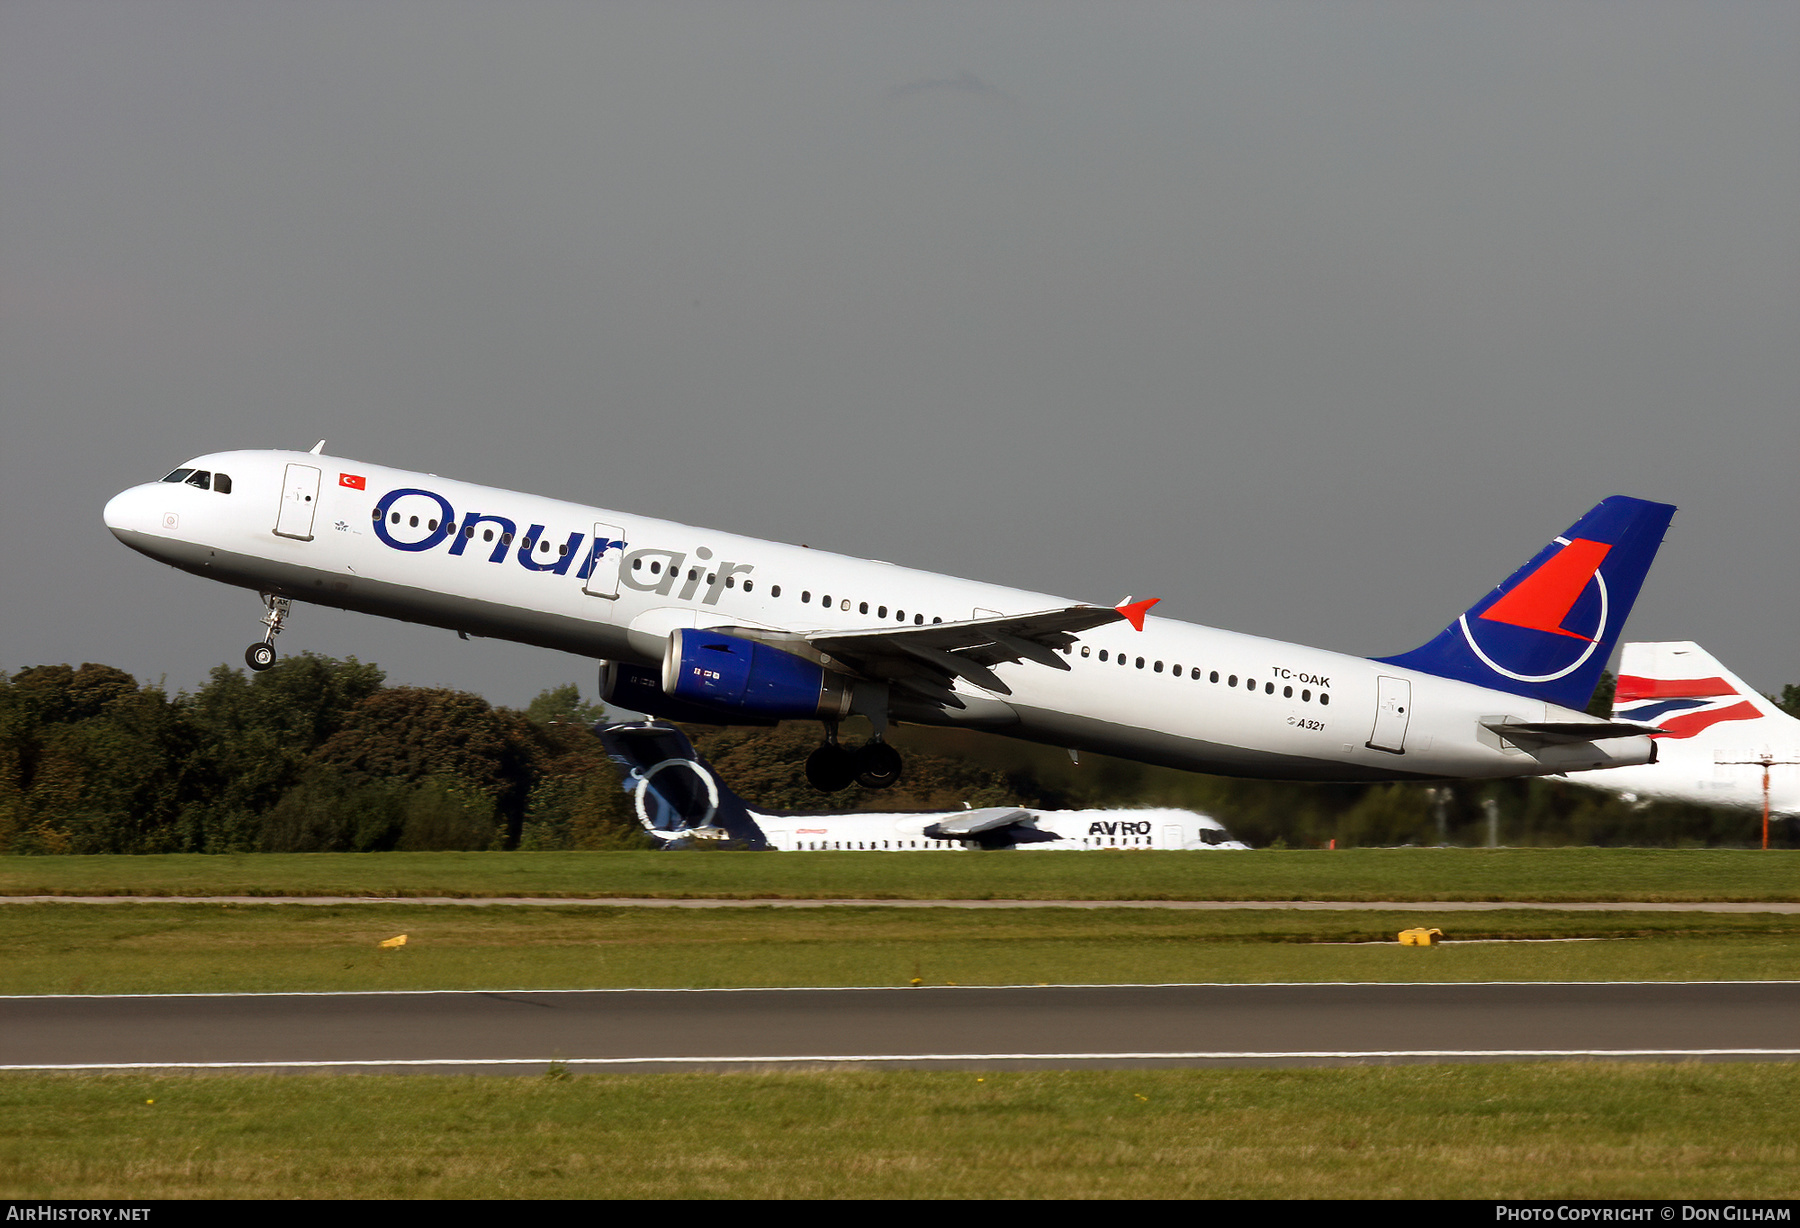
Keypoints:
pixel 210 948
pixel 1516 1131
pixel 1477 1131
pixel 1351 874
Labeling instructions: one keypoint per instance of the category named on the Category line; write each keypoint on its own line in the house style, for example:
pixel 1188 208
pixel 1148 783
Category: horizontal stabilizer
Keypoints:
pixel 1562 733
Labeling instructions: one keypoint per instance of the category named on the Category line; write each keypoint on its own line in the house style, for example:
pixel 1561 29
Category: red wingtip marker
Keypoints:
pixel 1134 612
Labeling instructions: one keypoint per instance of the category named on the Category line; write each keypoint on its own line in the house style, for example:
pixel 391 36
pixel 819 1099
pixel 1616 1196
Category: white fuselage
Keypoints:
pixel 1727 775
pixel 1726 764
pixel 1175 693
pixel 1077 831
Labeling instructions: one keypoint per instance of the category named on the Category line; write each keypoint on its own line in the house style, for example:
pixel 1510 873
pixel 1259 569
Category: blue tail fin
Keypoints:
pixel 1548 631
pixel 677 795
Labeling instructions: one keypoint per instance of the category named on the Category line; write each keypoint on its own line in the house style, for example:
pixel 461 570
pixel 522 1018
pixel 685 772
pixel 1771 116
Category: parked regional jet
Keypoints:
pixel 679 798
pixel 1713 732
pixel 701 625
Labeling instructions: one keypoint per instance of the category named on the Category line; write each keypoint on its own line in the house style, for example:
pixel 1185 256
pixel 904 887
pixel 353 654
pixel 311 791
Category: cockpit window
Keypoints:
pixel 204 479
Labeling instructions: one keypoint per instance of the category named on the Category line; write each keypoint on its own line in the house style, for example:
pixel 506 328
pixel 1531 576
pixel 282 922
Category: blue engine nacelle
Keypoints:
pixel 639 689
pixel 746 678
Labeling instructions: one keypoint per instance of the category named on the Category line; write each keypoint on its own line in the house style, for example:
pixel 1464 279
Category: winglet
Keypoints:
pixel 1134 611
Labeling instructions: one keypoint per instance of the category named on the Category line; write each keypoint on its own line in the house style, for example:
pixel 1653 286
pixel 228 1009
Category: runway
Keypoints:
pixel 1060 1027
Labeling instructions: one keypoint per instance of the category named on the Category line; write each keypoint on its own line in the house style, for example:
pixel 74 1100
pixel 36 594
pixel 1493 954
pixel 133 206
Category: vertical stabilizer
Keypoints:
pixel 1684 691
pixel 675 793
pixel 1547 632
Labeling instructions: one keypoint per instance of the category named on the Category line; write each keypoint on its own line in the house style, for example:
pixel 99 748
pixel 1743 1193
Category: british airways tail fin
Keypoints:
pixel 1547 632
pixel 1684 691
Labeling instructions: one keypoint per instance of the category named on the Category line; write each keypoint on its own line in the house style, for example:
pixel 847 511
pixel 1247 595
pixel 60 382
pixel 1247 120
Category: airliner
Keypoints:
pixel 696 624
pixel 1713 733
pixel 680 800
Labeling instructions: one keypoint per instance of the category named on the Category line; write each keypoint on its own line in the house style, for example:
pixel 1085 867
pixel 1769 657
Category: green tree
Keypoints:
pixel 257 734
pixel 89 762
pixel 577 801
pixel 412 734
pixel 562 705
pixel 1601 704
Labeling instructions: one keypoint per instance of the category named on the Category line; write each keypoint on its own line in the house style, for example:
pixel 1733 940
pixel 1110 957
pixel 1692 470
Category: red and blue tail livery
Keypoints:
pixel 1548 631
pixel 1681 707
pixel 1719 742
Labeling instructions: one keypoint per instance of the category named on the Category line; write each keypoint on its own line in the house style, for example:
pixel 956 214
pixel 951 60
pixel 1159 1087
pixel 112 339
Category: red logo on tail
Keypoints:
pixel 1544 598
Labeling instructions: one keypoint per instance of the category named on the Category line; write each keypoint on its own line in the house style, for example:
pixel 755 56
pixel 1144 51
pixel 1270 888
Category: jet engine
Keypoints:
pixel 743 677
pixel 638 688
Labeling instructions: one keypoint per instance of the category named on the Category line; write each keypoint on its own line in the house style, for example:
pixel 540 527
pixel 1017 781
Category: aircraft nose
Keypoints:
pixel 130 511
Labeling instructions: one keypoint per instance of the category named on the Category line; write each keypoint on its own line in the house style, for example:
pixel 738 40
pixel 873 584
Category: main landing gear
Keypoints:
pixel 873 765
pixel 261 656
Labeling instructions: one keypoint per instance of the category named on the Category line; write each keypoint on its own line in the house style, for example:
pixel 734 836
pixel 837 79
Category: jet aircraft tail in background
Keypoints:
pixel 1715 729
pixel 1684 691
pixel 1547 632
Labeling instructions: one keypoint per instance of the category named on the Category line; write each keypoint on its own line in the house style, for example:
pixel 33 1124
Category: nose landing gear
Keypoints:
pixel 261 656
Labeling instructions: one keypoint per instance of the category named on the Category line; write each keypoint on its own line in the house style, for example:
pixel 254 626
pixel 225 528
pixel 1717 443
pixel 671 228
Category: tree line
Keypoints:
pixel 319 755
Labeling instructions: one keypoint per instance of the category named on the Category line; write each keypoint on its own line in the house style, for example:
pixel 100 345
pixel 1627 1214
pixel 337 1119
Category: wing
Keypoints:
pixel 926 661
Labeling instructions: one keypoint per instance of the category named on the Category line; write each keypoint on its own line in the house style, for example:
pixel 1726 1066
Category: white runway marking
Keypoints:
pixel 841 1059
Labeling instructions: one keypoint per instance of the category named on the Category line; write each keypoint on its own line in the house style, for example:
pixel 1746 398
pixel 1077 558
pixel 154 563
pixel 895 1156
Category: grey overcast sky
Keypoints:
pixel 1314 319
